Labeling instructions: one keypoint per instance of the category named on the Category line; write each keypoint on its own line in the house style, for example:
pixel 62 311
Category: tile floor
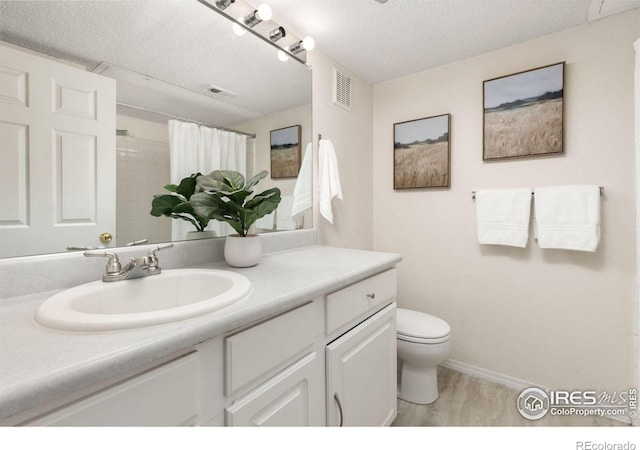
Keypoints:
pixel 469 401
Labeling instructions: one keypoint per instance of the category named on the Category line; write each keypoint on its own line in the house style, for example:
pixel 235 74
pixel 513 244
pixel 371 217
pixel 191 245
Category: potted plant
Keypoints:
pixel 177 205
pixel 227 197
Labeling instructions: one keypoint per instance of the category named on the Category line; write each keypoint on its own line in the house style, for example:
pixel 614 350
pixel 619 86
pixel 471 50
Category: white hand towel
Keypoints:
pixel 284 220
pixel 503 216
pixel 303 190
pixel 568 217
pixel 329 178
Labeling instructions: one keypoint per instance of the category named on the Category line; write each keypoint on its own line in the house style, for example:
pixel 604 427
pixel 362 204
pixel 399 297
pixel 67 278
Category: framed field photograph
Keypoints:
pixel 523 114
pixel 285 152
pixel 422 153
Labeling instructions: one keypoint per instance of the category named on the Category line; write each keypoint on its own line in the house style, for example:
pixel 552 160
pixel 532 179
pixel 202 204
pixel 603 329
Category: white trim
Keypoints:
pixel 488 375
pixel 505 380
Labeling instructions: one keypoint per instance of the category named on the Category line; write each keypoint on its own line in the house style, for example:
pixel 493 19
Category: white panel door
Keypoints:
pixel 361 373
pixel 57 155
pixel 294 397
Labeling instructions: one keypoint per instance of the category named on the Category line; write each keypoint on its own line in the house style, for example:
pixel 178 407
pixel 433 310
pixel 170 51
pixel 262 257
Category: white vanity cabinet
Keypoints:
pixel 163 396
pixel 274 371
pixel 329 361
pixel 361 362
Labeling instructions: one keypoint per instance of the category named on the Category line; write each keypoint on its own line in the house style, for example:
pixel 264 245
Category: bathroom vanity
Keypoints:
pixel 314 344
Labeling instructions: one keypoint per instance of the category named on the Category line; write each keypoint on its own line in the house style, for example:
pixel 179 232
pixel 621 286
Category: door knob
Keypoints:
pixel 106 237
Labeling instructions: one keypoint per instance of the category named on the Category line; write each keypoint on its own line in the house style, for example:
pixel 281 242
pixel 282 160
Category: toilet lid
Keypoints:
pixel 415 324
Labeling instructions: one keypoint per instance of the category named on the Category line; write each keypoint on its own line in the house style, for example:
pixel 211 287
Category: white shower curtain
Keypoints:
pixel 196 148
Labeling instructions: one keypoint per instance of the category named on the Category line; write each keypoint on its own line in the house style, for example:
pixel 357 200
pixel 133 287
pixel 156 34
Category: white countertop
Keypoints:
pixel 39 365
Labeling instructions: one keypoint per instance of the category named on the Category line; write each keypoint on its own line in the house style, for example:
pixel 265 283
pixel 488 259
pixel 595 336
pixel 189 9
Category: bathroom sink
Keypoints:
pixel 168 297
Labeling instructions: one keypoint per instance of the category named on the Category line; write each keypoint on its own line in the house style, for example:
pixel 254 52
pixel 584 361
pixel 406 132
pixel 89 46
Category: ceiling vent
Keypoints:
pixel 341 90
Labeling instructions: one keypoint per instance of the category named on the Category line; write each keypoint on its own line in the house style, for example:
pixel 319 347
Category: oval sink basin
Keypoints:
pixel 168 297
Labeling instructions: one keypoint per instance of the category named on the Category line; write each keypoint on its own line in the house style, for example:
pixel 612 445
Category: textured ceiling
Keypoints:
pixel 184 43
pixel 381 42
pixel 180 42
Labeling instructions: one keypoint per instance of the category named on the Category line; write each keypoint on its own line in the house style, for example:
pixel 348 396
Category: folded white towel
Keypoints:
pixel 568 217
pixel 503 216
pixel 329 178
pixel 303 190
pixel 284 220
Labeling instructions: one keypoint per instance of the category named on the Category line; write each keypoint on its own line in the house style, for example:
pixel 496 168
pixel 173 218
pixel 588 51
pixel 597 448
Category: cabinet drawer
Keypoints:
pixel 253 354
pixel 165 396
pixel 355 300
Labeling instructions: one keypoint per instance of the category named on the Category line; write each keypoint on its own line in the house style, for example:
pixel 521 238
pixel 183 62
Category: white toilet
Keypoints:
pixel 423 343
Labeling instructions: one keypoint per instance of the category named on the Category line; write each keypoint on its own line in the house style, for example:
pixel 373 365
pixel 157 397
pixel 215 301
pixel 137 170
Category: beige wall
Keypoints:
pixel 262 127
pixel 351 134
pixel 557 318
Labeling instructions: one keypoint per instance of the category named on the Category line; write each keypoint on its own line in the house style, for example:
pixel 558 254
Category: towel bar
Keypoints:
pixel 473 193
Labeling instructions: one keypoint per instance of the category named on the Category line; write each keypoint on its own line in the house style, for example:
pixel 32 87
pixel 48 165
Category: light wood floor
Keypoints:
pixel 469 401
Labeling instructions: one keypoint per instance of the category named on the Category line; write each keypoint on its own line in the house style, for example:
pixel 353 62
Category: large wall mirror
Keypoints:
pixel 177 65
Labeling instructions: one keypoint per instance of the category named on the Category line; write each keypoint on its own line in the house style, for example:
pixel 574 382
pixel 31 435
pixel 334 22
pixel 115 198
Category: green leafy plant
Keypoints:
pixel 177 205
pixel 228 198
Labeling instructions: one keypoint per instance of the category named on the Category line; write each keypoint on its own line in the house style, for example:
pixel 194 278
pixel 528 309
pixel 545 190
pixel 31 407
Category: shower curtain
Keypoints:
pixel 196 148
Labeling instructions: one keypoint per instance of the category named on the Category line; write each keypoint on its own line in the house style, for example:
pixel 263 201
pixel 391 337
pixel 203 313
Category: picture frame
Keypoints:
pixel 422 153
pixel 523 114
pixel 285 152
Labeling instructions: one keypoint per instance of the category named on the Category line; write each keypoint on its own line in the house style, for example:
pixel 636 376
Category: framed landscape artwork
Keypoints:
pixel 422 153
pixel 523 114
pixel 285 152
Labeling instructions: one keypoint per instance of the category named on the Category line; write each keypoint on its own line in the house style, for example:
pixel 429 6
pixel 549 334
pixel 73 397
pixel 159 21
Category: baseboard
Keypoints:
pixel 494 377
pixel 505 380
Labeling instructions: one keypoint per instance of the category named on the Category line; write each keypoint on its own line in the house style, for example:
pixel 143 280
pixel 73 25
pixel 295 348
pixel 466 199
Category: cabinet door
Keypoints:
pixel 294 397
pixel 361 373
pixel 165 396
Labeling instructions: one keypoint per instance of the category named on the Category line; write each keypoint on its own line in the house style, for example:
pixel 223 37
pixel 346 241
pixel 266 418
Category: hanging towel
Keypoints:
pixel 284 221
pixel 303 190
pixel 503 216
pixel 568 217
pixel 329 178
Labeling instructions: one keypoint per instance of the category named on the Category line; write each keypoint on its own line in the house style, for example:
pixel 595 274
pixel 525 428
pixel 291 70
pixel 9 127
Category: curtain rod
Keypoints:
pixel 138 108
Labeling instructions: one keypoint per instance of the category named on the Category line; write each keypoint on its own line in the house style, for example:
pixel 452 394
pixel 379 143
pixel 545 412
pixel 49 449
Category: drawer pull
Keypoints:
pixel 371 296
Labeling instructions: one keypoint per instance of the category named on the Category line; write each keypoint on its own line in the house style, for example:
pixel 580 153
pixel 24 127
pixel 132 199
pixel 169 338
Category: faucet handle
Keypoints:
pixel 154 250
pixel 152 267
pixel 113 263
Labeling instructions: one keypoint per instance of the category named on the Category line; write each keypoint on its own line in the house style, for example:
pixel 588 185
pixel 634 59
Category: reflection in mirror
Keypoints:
pixel 186 89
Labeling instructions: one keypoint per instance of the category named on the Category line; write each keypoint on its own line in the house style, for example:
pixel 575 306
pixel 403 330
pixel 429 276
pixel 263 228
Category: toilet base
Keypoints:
pixel 418 384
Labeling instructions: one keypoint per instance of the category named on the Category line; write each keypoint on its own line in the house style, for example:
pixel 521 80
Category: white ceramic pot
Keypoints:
pixel 242 251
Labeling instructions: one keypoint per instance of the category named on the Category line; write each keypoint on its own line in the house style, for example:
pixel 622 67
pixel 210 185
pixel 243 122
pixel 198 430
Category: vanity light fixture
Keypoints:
pixel 263 12
pixel 224 4
pixel 277 33
pixel 307 43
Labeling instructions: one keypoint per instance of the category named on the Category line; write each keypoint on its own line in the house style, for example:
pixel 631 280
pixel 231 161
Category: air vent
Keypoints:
pixel 217 91
pixel 341 90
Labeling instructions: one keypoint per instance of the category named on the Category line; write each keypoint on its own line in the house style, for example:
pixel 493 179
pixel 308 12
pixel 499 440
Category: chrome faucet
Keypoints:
pixel 114 270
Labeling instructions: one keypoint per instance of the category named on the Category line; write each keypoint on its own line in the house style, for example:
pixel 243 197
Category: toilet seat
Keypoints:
pixel 421 328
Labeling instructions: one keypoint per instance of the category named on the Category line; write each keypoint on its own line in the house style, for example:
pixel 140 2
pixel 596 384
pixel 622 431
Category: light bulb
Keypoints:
pixel 238 29
pixel 282 55
pixel 309 43
pixel 265 12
